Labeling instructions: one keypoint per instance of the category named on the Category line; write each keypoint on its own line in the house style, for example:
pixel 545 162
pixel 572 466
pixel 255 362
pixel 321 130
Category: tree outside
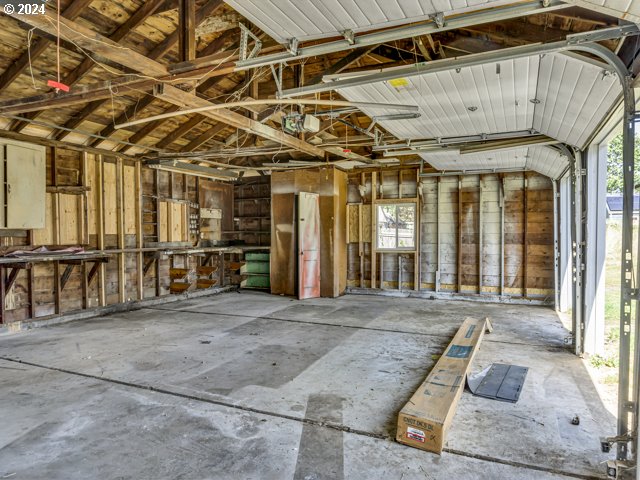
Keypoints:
pixel 614 165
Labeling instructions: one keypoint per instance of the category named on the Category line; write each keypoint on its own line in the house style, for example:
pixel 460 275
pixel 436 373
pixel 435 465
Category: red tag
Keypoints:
pixel 346 150
pixel 58 85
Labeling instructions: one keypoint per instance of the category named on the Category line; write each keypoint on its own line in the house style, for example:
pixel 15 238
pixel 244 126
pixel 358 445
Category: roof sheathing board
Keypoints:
pixel 314 19
pixel 558 95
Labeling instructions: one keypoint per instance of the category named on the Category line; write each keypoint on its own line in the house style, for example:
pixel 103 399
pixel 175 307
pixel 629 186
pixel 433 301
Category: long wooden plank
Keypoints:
pixel 158 52
pixel 214 46
pixel 30 55
pixel 133 22
pixel 184 99
pixel 94 42
pixel 186 29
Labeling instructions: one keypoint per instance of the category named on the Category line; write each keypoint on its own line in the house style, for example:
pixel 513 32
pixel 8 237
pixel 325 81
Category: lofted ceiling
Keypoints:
pixel 562 96
pixel 313 19
pixel 558 95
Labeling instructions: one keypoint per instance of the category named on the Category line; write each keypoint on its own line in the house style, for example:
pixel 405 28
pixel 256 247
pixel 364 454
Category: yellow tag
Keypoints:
pixel 399 82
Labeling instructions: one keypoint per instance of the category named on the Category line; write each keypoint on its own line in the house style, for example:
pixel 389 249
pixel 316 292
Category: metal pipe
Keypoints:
pixel 471 60
pixel 480 236
pixel 400 33
pixel 267 101
pixel 455 140
pixel 438 228
pixel 501 195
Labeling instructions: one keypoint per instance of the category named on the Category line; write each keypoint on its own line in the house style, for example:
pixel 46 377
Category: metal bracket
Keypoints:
pixel 349 36
pixel 603 34
pixel 277 78
pixel 632 294
pixel 292 48
pixel 438 18
pixel 615 468
pixel 245 35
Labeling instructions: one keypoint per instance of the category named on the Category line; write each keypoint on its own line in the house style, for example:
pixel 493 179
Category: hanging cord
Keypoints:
pixel 29 39
pixel 58 43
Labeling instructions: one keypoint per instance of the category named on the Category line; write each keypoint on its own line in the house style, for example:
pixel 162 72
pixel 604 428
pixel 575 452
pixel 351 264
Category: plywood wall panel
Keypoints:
pixel 476 246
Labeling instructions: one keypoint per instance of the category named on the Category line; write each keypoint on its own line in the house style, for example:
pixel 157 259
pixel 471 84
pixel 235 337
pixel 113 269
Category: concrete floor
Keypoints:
pixel 248 385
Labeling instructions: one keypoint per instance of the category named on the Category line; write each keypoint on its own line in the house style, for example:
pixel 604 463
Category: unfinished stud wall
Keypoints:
pixel 478 234
pixel 108 204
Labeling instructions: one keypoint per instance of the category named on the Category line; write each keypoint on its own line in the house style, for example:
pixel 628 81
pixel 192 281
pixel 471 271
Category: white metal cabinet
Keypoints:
pixel 22 185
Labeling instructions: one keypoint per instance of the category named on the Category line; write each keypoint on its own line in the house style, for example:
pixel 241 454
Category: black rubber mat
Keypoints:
pixel 499 382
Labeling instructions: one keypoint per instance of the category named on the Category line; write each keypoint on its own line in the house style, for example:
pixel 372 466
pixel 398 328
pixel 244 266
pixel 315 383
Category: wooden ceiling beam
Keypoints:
pixel 93 42
pixel 181 131
pixel 206 85
pixel 130 112
pixel 204 137
pixel 186 30
pixel 38 48
pixel 155 54
pixel 342 64
pixel 133 22
pixel 236 120
pixel 172 39
pixel 147 130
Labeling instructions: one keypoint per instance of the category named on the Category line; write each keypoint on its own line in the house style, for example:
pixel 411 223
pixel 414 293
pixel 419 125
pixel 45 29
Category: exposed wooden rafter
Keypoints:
pixel 155 54
pixel 39 46
pixel 186 30
pixel 87 65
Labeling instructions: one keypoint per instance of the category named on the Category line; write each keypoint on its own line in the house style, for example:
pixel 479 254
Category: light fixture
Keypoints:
pixel 177 166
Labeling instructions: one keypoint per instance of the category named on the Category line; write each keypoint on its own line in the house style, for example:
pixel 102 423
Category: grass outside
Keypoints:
pixel 605 367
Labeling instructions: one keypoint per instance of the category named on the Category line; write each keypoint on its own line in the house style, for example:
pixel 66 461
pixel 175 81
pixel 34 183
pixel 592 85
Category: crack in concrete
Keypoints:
pixel 303 420
pixel 338 325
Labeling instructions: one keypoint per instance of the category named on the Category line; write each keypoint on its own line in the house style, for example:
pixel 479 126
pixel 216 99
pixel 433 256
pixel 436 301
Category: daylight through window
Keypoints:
pixel 396 226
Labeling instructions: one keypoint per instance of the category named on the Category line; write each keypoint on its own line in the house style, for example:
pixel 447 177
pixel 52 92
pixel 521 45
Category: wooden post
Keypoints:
pixel 374 229
pixel 502 209
pixel 122 278
pixel 480 236
pixel 84 203
pixel 85 286
pixel 156 191
pixel 525 261
pixel 30 282
pixel 139 230
pixel 417 265
pixel 360 245
pixel 101 227
pixel 459 234
pixel 57 287
pixel 438 231
pixel 3 294
pixel 186 30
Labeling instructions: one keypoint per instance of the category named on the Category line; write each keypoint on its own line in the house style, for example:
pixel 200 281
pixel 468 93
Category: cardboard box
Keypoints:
pixel 424 421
